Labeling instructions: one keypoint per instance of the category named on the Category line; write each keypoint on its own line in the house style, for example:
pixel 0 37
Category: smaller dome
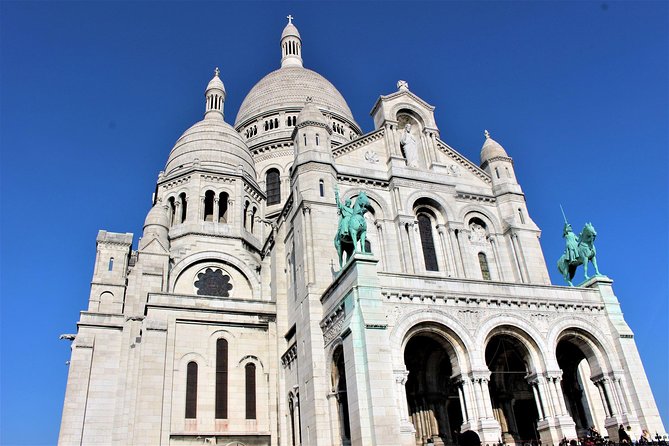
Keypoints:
pixel 216 82
pixel 157 216
pixel 290 30
pixel 491 149
pixel 211 143
pixel 310 113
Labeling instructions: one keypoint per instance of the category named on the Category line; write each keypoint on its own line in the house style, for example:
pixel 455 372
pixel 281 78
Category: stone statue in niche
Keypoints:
pixel 478 233
pixel 409 147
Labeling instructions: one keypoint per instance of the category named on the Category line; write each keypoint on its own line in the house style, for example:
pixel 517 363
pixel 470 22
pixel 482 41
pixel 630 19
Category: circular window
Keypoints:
pixel 213 282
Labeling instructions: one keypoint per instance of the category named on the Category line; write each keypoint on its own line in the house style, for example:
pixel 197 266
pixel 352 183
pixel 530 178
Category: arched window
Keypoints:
pixel 221 379
pixel 522 217
pixel 305 139
pixel 294 120
pixel 427 242
pixel 250 370
pixel 191 390
pixel 245 217
pixel 110 266
pixel 321 187
pixel 273 187
pixel 172 207
pixel 223 207
pixel 276 123
pixel 291 410
pixel 254 211
pixel 316 138
pixel 508 172
pixel 497 172
pixel 184 205
pixel 209 205
pixel 483 263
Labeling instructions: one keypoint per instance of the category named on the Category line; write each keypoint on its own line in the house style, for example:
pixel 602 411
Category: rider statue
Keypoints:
pixel 571 248
pixel 345 212
pixel 579 250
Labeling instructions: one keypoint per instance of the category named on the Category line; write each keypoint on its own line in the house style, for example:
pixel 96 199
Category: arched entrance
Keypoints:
pixel 584 403
pixel 432 396
pixel 512 398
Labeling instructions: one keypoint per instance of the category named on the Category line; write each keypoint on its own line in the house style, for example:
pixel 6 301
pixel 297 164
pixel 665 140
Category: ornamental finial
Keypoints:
pixel 217 72
pixel 290 19
pixel 310 99
pixel 487 134
pixel 402 85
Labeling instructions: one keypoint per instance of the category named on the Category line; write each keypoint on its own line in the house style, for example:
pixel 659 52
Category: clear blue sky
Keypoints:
pixel 94 95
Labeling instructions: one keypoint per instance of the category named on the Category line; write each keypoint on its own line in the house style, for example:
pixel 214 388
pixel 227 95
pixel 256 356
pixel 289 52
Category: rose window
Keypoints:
pixel 212 282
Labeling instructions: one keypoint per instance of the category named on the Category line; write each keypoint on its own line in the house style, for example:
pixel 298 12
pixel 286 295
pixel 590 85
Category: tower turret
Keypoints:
pixel 215 95
pixel 312 136
pixel 499 165
pixel 291 45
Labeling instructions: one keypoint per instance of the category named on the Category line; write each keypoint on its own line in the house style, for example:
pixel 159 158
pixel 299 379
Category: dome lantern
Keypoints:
pixel 291 45
pixel 215 96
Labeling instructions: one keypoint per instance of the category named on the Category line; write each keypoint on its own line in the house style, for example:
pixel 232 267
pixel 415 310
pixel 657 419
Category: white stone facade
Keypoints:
pixel 233 324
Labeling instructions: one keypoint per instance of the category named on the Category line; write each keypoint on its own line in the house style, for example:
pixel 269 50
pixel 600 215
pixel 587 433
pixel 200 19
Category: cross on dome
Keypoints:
pixel 217 72
pixel 487 134
pixel 290 19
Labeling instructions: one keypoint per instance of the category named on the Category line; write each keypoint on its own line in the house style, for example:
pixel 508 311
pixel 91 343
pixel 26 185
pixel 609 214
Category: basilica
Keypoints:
pixel 299 282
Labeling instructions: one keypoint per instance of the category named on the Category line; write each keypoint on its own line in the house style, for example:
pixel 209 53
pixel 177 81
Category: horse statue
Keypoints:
pixel 579 251
pixel 352 229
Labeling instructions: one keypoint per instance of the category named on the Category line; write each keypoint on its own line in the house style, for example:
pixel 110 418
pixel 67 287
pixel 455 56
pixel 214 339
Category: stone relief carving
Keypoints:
pixel 393 315
pixel 469 318
pixel 541 321
pixel 371 157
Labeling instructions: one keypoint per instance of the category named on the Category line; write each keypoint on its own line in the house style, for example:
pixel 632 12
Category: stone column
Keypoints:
pixel 214 217
pixel 498 261
pixel 200 211
pixel 443 239
pixel 401 377
pixel 309 245
pixel 520 258
pixel 412 227
pixel 457 252
pixel 537 398
pixel 382 244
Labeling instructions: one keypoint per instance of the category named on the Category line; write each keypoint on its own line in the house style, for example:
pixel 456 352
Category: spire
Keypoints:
pixel 215 95
pixel 291 45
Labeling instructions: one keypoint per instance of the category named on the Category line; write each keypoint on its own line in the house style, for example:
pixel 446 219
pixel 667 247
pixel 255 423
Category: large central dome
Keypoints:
pixel 287 88
pixel 268 112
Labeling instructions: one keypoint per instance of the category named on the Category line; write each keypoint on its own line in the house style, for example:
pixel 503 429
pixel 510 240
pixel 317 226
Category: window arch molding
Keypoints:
pixel 216 257
pixel 596 342
pixel 381 209
pixel 472 211
pixel 417 115
pixel 521 330
pixel 441 209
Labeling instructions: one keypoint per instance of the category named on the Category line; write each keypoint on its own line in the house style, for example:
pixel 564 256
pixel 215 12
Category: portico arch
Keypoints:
pixel 435 403
pixel 590 391
pixel 511 361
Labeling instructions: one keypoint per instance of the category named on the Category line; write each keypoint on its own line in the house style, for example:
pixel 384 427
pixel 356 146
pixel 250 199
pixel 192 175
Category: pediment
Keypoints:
pixel 152 246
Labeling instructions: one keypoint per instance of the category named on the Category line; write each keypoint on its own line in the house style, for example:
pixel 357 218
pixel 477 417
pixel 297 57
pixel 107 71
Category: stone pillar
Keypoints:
pixel 457 252
pixel 382 244
pixel 445 250
pixel 374 414
pixel 214 217
pixel 416 251
pixel 498 261
pixel 401 376
pixel 557 424
pixel 484 424
pixel 520 258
